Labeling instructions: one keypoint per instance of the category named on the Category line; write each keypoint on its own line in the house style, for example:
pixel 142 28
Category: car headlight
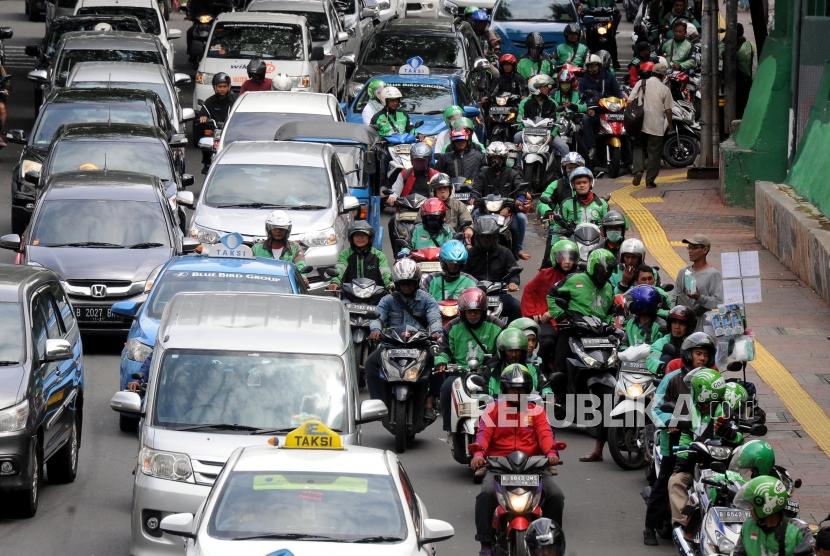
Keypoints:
pixel 204 78
pixel 304 81
pixel 14 418
pixel 29 165
pixel 319 238
pixel 138 351
pixel 151 279
pixel 204 235
pixel 172 466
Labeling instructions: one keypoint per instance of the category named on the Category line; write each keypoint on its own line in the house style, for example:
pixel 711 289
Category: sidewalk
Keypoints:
pixel 791 323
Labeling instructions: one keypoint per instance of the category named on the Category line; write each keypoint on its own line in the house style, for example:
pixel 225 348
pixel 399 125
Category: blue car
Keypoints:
pixel 513 20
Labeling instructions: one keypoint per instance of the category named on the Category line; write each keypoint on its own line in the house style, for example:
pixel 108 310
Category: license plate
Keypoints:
pixel 430 266
pixel 358 307
pixel 403 149
pixel 542 131
pixel 468 409
pixel 462 196
pixel 520 480
pixel 792 506
pixel 500 110
pixel 95 314
pixel 729 515
pixel 597 343
pixel 615 117
pixel 493 301
pixel 633 366
pixel 407 216
pixel 408 353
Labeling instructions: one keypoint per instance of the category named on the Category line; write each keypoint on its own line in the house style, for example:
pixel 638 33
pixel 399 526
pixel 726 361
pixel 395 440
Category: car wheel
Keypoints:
pixel 63 466
pixel 28 498
pixel 127 423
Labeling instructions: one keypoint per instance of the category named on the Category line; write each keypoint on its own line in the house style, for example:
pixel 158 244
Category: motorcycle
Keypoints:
pixel 569 123
pixel 494 291
pixel 403 223
pixel 682 142
pixel 198 36
pixel 427 259
pixel 462 189
pixel 399 146
pixel 540 163
pixel 406 374
pixel 361 297
pixel 469 399
pixel 494 205
pixel 611 132
pixel 206 135
pixel 600 33
pixel 501 117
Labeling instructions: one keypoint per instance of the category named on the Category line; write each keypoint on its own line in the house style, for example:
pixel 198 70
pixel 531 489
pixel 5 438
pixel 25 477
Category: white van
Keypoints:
pixel 282 40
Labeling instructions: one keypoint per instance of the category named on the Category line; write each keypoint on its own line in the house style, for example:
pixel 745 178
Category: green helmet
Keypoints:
pixel 511 338
pixel 753 459
pixel 562 250
pixel 707 385
pixel 464 123
pixel 470 10
pixel 735 395
pixel 516 376
pixel 526 325
pixel 766 495
pixel 451 112
pixel 374 86
pixel 601 265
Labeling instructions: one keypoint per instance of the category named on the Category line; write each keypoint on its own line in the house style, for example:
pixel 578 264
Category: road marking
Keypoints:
pixel 806 411
pixel 646 200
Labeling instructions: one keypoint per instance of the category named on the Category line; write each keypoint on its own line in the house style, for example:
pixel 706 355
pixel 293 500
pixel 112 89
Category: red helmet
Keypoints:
pixel 508 59
pixel 460 134
pixel 472 299
pixel 433 207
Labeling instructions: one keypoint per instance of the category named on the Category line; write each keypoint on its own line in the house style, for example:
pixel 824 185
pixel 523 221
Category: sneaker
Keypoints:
pixel 665 532
pixel 636 180
pixel 649 538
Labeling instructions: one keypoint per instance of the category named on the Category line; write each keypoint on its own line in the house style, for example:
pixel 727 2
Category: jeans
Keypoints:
pixel 511 309
pixel 657 508
pixel 559 144
pixel 590 128
pixel 553 505
pixel 648 150
pixel 519 225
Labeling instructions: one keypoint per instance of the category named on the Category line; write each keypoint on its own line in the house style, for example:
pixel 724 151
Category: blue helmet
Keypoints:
pixel 479 15
pixel 644 300
pixel 453 252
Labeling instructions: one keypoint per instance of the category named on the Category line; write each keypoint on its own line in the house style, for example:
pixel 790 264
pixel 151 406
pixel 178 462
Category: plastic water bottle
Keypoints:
pixel 689 282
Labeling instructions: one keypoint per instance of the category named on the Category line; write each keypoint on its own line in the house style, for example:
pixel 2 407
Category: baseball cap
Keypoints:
pixel 660 68
pixel 698 239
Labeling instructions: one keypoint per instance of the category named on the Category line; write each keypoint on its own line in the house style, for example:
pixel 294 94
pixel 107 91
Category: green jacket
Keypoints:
pixel 293 253
pixel 569 54
pixel 573 98
pixel 582 296
pixel 389 123
pixel 494 386
pixel 527 68
pixel 372 265
pixel 703 427
pixel 422 238
pixel 636 335
pixel 440 288
pixel 461 341
pixel 754 541
pixel 680 53
pixel 521 116
pixel 667 21
pixel 541 208
pixel 574 211
pixel 653 360
pixel 746 55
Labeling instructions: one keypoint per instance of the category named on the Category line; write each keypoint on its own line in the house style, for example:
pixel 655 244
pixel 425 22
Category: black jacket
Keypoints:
pixel 217 107
pixel 491 265
pixel 464 164
pixel 502 182
pixel 534 110
pixel 509 83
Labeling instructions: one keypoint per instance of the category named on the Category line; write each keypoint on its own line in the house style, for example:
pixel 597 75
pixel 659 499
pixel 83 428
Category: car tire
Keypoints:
pixel 127 423
pixel 26 500
pixel 63 466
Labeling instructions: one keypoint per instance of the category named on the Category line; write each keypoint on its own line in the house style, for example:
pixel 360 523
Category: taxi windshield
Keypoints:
pixel 246 392
pixel 418 98
pixel 256 40
pixel 291 503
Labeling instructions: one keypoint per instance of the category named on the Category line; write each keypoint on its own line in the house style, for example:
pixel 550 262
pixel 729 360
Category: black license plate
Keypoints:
pixel 732 515
pixel 597 343
pixel 500 109
pixel 97 313
pixel 358 308
pixel 537 131
pixel 616 117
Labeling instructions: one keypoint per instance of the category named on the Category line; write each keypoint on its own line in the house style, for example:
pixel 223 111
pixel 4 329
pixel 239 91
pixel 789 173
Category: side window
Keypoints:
pixel 464 96
pixel 339 178
pixel 39 329
pixel 410 500
pixel 53 323
pixel 64 308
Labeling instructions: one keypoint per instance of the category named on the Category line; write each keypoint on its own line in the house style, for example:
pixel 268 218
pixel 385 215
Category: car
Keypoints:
pixel 42 386
pixel 362 500
pixel 446 47
pixel 71 106
pixel 257 116
pixel 194 273
pixel 455 8
pixel 147 11
pixel 105 234
pixel 282 40
pixel 249 179
pixel 230 370
pixel 513 20
pixel 360 16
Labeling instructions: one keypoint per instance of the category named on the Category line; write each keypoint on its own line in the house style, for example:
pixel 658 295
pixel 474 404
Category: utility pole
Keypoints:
pixel 705 159
pixel 730 64
pixel 714 59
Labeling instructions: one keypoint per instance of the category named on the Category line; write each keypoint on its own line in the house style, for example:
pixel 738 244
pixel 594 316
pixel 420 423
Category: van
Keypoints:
pixel 232 370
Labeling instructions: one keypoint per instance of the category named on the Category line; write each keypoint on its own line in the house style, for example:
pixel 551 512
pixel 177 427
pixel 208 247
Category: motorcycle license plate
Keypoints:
pixel 493 301
pixel 500 110
pixel 462 196
pixel 358 308
pixel 537 131
pixel 430 266
pixel 596 343
pixel 95 314
pixel 731 515
pixel 615 117
pixel 407 216
pixel 520 480
pixel 403 149
pixel 792 506
pixel 633 366
pixel 408 353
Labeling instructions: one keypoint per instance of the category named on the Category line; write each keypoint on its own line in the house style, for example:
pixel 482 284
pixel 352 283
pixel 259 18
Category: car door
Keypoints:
pixel 341 189
pixel 412 506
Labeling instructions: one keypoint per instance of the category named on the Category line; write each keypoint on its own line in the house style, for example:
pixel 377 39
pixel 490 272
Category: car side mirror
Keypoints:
pixel 471 111
pixel 180 525
pixel 368 13
pixel 181 79
pixel 189 245
pixel 126 308
pixel 342 36
pixel 32 176
pixel 206 143
pixel 126 402
pixel 38 76
pixel 58 350
pixel 178 141
pixel 371 410
pixel 347 60
pixel 435 530
pixel 174 34
pixel 317 54
pixel 382 5
pixel 11 242
pixel 350 203
pixel 32 50
pixel 187 180
pixel 6 32
pixel 186 199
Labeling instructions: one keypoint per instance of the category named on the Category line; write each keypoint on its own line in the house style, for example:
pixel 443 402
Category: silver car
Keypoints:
pixel 228 370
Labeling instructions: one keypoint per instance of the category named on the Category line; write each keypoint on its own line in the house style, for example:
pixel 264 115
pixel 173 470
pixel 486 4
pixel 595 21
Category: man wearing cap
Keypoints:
pixel 648 144
pixel 699 285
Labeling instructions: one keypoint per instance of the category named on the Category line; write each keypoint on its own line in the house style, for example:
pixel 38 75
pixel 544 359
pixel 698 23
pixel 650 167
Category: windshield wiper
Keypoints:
pixel 146 245
pixel 377 538
pixel 281 431
pixel 305 207
pixel 87 244
pixel 220 426
pixel 287 536
pixel 9 363
pixel 433 113
pixel 249 205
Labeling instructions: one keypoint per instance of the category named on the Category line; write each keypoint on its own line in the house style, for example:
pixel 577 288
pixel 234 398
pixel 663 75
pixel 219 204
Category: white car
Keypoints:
pixel 146 11
pixel 310 496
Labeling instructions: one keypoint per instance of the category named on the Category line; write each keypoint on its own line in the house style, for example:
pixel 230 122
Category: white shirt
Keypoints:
pixel 372 107
pixel 658 99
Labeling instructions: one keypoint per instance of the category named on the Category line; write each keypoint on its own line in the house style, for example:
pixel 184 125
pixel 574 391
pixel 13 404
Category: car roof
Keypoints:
pixel 290 102
pixel 326 132
pixel 97 40
pixel 412 25
pixel 125 3
pixel 101 96
pixel 352 459
pixel 13 278
pixel 260 17
pixel 111 131
pixel 277 5
pixel 276 153
pixel 258 265
pixel 108 184
pixel 118 71
pixel 271 322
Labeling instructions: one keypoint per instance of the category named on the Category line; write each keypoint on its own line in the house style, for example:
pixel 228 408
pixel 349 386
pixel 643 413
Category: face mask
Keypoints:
pixel 614 236
pixel 509 163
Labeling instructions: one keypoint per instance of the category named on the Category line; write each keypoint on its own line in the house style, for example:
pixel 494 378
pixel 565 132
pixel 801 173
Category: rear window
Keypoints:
pixel 159 88
pixel 256 40
pixel 261 126
pixel 72 57
pixel 55 33
pixel 147 16
pixel 56 115
pixel 437 51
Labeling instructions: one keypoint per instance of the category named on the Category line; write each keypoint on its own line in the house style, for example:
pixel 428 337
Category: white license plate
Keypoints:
pixel 732 515
pixel 407 217
pixel 95 314
pixel 403 149
pixel 596 343
pixel 430 266
pixel 520 480
pixel 468 409
pixel 616 117
pixel 358 307
pixel 462 196
pixel 633 366
pixel 409 353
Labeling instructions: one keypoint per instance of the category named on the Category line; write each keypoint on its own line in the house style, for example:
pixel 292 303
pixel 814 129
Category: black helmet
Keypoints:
pixel 516 376
pixel 571 29
pixel 681 313
pixel 221 77
pixel 361 227
pixel 640 46
pixel 699 340
pixel 544 532
pixel 486 232
pixel 257 68
pixel 534 40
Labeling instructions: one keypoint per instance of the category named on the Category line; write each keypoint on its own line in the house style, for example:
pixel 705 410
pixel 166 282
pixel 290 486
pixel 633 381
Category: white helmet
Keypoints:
pixel 691 32
pixel 389 93
pixel 633 246
pixel 103 26
pixel 278 220
pixel 593 59
pixel 539 80
pixel 281 82
pixel 406 270
pixel 497 148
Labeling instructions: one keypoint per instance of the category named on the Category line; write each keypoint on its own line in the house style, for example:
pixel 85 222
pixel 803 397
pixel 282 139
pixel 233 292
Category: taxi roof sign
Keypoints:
pixel 414 66
pixel 228 246
pixel 313 435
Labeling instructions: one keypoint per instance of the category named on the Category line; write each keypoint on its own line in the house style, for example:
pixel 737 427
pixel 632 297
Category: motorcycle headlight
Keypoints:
pixel 493 206
pixel 614 106
pixel 205 18
pixel 725 546
pixel 634 390
pixel 519 500
pixel 501 101
pixel 138 351
pixel 602 31
pixel 171 466
pixel 29 165
pixel 449 311
pixel 204 78
pixel 411 374
pixel 535 139
pixel 319 238
pixel 14 418
pixel 720 452
pixel 362 293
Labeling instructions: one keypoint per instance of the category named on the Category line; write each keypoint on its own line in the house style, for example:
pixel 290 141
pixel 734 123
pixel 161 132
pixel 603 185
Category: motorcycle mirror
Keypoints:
pixel 797 483
pixel 758 430
pixel 669 349
pixel 478 380
pixel 515 271
pixel 699 447
pixel 718 467
pixel 307 270
pixel 330 272
pixel 560 445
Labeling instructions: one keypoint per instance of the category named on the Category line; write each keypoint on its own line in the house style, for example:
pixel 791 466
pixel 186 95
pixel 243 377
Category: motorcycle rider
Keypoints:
pixel 458 215
pixel 360 259
pixel 530 328
pixel 642 327
pixel 613 227
pixel 373 104
pixel 768 530
pixel 509 424
pixel 533 63
pixel 509 80
pixel 632 255
pixel 451 281
pixel 391 119
pixel 257 68
pixel 679 10
pixel 567 96
pixel 472 333
pixel 615 22
pixel 545 538
pixel 453 116
pixel 646 276
pixel 460 160
pixel 571 51
pixel 539 105
pixel 276 244
pixel 491 261
pixel 753 458
pixel 560 189
pixel 595 83
pixel 480 21
pixel 415 179
pixel 217 107
pixel 583 207
pixel 681 322
pixel 678 51
pixel 432 230
pixel 642 53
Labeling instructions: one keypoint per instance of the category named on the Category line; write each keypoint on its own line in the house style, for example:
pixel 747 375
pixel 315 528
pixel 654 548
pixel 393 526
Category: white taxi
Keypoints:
pixel 313 495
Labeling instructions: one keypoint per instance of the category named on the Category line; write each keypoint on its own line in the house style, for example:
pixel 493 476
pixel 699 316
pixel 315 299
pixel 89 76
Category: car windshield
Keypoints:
pixel 418 98
pixel 98 222
pixel 262 390
pixel 318 24
pixel 437 51
pixel 256 40
pixel 159 88
pixel 261 126
pixel 177 281
pixel 146 16
pixel 270 185
pixel 144 157
pixel 57 114
pixel 72 57
pixel 350 159
pixel 290 503
pixel 55 33
pixel 533 10
pixel 11 333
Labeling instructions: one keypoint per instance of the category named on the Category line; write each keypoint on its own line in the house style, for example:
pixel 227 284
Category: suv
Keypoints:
pixel 42 390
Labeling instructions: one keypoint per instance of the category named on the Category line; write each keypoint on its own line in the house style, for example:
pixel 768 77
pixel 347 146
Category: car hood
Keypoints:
pixel 211 547
pixel 514 34
pixel 251 222
pixel 203 446
pixel 11 382
pixel 84 263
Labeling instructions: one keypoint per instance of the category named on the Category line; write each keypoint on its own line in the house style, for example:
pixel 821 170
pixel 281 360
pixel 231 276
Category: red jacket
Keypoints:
pixel 535 295
pixel 500 434
pixel 251 85
pixel 409 179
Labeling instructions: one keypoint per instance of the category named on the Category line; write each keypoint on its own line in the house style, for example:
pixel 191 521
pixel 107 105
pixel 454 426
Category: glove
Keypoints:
pixel 436 336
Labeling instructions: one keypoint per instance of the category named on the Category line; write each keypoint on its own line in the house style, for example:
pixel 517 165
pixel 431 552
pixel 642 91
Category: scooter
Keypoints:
pixel 611 132
pixel 399 146
pixel 361 297
pixel 427 259
pixel 600 33
pixel 206 135
pixel 469 399
pixel 403 223
pixel 494 291
pixel 540 163
pixel 501 117
pixel 569 123
pixel 682 143
pixel 494 205
pixel 405 371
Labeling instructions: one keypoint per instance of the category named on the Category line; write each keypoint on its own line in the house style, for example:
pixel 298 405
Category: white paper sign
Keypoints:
pixel 729 265
pixel 752 290
pixel 732 291
pixel 749 263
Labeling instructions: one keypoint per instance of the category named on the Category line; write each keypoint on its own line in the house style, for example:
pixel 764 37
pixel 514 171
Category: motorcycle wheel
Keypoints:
pixel 622 443
pixel 680 151
pixel 518 546
pixel 615 162
pixel 533 175
pixel 399 411
pixel 459 447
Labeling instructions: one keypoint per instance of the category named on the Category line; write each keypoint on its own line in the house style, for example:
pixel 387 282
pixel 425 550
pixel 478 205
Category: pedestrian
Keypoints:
pixel 743 78
pixel 699 286
pixel 648 145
